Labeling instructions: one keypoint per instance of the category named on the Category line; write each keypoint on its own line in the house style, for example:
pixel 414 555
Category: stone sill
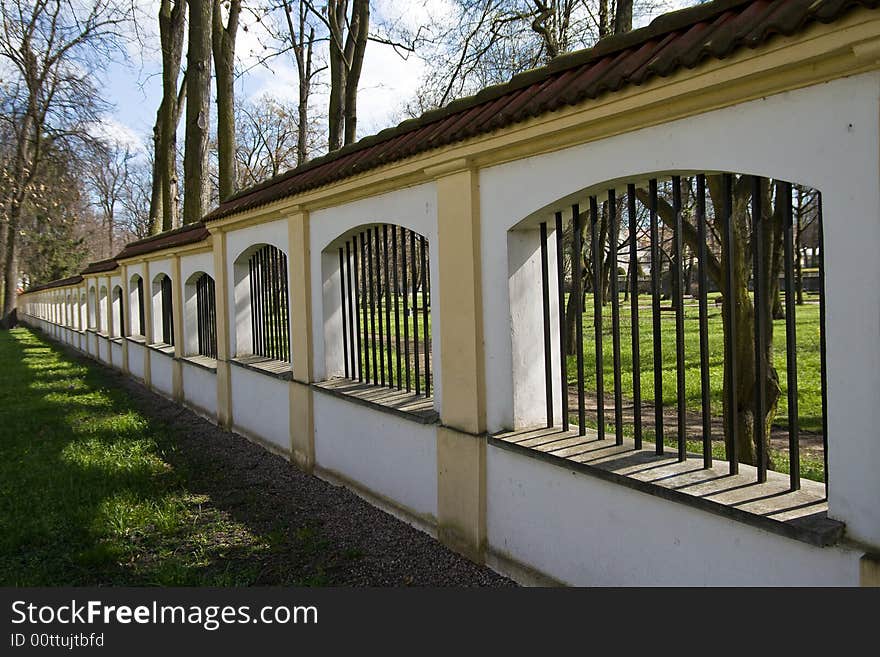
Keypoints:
pixel 386 400
pixel 137 339
pixel 162 348
pixel 202 362
pixel 771 506
pixel 277 369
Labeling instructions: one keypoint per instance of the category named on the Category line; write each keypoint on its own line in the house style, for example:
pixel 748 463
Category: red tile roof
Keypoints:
pixel 672 42
pixel 100 267
pixel 189 234
pixel 64 282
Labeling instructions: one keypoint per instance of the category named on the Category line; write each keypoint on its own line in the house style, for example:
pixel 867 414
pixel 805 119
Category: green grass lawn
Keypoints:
pixel 808 360
pixel 90 491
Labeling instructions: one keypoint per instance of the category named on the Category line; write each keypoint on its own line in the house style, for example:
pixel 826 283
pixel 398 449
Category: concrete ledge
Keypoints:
pixel 275 368
pixel 813 528
pixel 388 400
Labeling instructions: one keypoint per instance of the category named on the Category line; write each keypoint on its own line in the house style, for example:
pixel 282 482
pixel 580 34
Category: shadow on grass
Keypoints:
pixel 95 493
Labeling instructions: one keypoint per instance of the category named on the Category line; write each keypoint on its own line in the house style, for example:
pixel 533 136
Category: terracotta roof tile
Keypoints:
pixel 681 39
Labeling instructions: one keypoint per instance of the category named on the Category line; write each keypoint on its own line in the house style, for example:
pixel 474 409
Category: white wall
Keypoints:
pixel 386 454
pixel 191 267
pixel 584 531
pixel 161 376
pixel 136 360
pixel 833 147
pixel 261 406
pixel 116 351
pixel 414 208
pixel 200 388
pixel 238 242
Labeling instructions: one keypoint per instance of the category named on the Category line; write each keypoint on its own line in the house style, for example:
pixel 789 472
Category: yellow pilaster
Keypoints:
pixel 302 425
pixel 148 321
pixel 177 319
pixel 108 308
pixel 221 296
pixel 124 308
pixel 869 570
pixel 461 441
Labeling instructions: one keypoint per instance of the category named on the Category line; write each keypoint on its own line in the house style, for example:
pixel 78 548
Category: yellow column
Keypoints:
pixel 302 424
pixel 108 308
pixel 869 570
pixel 221 300
pixel 177 319
pixel 148 321
pixel 461 440
pixel 125 312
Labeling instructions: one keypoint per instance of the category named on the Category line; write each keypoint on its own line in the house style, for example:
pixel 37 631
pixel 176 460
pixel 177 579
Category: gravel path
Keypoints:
pixel 352 542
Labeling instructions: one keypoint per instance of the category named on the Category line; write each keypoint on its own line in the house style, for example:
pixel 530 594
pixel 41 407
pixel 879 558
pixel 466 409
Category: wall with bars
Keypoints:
pixel 540 517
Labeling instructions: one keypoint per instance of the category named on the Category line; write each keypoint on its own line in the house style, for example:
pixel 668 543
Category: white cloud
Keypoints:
pixel 116 132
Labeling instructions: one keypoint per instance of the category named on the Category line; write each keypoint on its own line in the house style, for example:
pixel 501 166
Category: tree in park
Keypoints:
pixel 52 49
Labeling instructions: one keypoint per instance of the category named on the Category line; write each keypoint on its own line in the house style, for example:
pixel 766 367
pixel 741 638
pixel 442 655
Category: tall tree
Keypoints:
pixel 303 46
pixel 349 32
pixel 52 49
pixel 196 182
pixel 223 44
pixel 164 195
pixel 108 178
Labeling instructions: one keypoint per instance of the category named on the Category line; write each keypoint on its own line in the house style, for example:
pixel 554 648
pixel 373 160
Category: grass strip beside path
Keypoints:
pixel 104 483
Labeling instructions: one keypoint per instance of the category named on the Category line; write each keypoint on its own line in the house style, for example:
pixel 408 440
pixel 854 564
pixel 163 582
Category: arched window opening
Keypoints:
pixel 270 333
pixel 680 316
pixel 385 304
pixel 118 306
pixel 200 321
pixel 102 310
pixel 136 306
pixel 163 313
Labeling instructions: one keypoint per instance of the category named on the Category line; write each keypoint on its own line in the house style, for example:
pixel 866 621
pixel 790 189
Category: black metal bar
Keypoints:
pixel 415 311
pixel 406 277
pixel 656 265
pixel 425 325
pixel 634 314
pixel 396 304
pixel 560 302
pixel 351 305
pixel 378 282
pixel 822 353
pixel 356 312
pixel 342 311
pixel 598 256
pixel 678 295
pixel 256 303
pixel 730 311
pixel 365 297
pixel 761 303
pixel 141 312
pixel 613 236
pixel 703 293
pixel 576 290
pixel 794 467
pixel 285 299
pixel 545 299
pixel 371 284
pixel 385 267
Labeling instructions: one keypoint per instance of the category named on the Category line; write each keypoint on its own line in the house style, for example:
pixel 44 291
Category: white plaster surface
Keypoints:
pixel 261 406
pixel 161 376
pixel 587 532
pixel 200 387
pixel 386 454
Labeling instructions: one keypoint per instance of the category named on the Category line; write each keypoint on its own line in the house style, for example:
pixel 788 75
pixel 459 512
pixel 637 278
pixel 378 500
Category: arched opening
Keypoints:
pixel 82 311
pixel 377 309
pixel 163 314
pixel 136 306
pixel 676 314
pixel 103 326
pixel 118 312
pixel 262 315
pixel 200 316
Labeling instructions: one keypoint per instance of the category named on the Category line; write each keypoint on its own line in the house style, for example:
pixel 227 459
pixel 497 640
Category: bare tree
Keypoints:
pixel 108 177
pixel 196 182
pixel 52 49
pixel 223 44
pixel 164 193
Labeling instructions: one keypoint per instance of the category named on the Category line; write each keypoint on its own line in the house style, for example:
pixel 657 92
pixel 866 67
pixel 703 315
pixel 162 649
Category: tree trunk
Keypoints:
pixel 196 193
pixel 171 32
pixel 156 214
pixel 358 31
pixel 10 269
pixel 223 44
pixel 623 17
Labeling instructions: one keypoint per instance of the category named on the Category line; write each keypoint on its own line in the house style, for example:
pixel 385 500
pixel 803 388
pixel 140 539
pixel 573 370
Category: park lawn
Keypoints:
pixel 808 357
pixel 88 493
